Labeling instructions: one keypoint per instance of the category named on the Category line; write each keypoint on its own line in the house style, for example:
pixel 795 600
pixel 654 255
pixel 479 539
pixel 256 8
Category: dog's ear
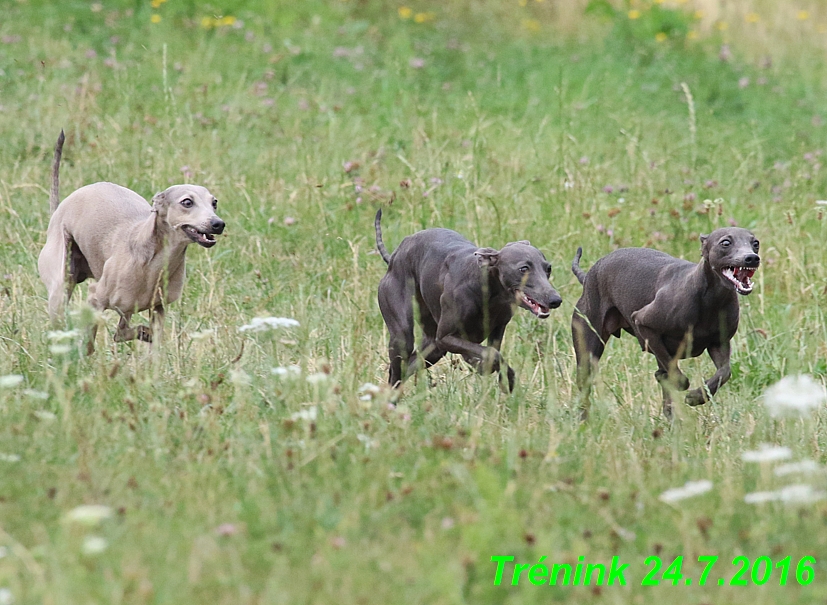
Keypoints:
pixel 160 203
pixel 703 239
pixel 487 257
pixel 524 241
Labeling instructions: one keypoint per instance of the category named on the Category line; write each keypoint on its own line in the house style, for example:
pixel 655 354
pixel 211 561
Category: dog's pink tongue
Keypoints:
pixel 744 274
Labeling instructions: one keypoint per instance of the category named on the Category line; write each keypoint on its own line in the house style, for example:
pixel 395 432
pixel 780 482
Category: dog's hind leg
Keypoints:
pixel 396 305
pixel 428 352
pixel 53 273
pixel 588 349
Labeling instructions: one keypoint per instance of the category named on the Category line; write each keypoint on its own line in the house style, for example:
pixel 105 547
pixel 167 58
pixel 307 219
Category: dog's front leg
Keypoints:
pixel 668 368
pixel 123 333
pixel 486 360
pixel 157 319
pixel 720 357
pixel 495 341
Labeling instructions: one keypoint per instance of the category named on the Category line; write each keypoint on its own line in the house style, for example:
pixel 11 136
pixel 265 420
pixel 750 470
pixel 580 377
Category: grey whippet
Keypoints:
pixel 675 308
pixel 135 251
pixel 465 294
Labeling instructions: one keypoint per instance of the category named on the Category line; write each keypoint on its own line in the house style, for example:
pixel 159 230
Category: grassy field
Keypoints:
pixel 566 123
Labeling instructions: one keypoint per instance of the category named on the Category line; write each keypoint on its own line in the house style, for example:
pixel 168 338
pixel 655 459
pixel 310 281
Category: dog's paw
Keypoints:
pixel 695 397
pixel 681 382
pixel 143 333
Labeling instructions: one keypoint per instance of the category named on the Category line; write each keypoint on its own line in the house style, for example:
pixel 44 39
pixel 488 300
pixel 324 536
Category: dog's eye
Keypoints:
pixel 548 271
pixel 755 245
pixel 214 204
pixel 186 203
pixel 725 243
pixel 524 269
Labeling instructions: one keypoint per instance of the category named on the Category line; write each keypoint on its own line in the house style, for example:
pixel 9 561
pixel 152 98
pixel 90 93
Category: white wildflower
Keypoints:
pixel 760 497
pixel 203 334
pixel 804 467
pixel 60 349
pixel 367 441
pixel 60 336
pixel 794 396
pixel 689 489
pixel 93 545
pixel 368 391
pixel 287 372
pixel 45 416
pixel 89 514
pixel 10 380
pixel 9 457
pixel 308 414
pixel 800 493
pixel 3 552
pixel 767 453
pixel 239 377
pixel 317 378
pixel 821 202
pixel 6 596
pixel 259 324
pixel 42 395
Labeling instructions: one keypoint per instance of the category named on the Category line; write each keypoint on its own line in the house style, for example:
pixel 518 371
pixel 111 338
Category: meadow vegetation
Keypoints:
pixel 567 123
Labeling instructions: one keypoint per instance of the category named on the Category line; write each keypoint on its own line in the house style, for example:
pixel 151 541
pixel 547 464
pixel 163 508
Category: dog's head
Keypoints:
pixel 190 211
pixel 732 254
pixel 523 270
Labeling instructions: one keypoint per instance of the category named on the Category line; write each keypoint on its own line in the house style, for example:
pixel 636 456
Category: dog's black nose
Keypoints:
pixel 752 259
pixel 555 302
pixel 217 225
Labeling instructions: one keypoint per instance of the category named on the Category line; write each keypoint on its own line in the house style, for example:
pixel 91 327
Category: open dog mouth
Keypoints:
pixel 203 239
pixel 532 305
pixel 740 277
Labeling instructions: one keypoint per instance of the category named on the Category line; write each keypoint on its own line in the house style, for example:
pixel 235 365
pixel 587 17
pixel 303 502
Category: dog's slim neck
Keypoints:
pixel 155 239
pixel 715 285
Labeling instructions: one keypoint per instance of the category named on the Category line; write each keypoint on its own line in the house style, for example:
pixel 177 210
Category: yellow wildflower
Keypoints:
pixel 699 14
pixel 752 18
pixel 155 18
pixel 424 17
pixel 207 22
pixel 531 25
pixel 228 20
pixel 634 14
pixel 660 37
pixel 803 15
pixel 691 35
pixel 722 26
pixel 156 3
pixel 522 2
pixel 405 12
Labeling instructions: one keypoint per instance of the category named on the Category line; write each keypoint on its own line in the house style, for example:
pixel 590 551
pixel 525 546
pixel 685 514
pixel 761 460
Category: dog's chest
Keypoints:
pixel 478 325
pixel 710 329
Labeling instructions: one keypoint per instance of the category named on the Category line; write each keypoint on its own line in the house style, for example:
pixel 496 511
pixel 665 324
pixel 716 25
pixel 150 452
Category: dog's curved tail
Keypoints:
pixel 380 245
pixel 575 266
pixel 54 192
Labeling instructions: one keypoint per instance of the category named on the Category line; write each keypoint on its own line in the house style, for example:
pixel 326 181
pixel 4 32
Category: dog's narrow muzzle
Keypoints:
pixel 555 302
pixel 217 225
pixel 752 260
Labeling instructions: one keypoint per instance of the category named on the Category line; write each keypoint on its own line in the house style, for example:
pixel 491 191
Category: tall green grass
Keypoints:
pixel 231 484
